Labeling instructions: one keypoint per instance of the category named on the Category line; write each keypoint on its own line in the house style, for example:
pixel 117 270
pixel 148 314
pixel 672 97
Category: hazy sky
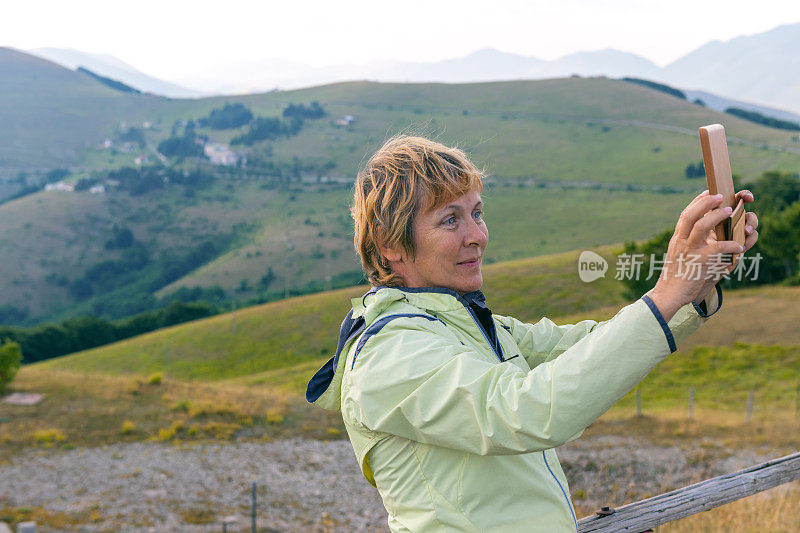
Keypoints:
pixel 175 38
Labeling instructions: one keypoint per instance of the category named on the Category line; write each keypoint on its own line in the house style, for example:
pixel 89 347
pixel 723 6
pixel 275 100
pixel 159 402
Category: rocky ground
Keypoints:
pixel 302 484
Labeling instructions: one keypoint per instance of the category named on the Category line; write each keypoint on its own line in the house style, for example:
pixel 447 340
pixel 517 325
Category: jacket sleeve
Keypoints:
pixel 415 379
pixel 544 341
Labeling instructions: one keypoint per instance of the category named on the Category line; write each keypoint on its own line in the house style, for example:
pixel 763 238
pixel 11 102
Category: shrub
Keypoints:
pixel 180 147
pixel 48 436
pixel 227 117
pixel 165 434
pixel 128 427
pixel 133 386
pixel 301 111
pixel 155 379
pixel 10 361
pixel 274 416
pixel 182 405
pixel 221 430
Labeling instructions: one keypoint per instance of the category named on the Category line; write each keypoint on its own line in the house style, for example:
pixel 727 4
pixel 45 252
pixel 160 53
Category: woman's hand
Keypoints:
pixel 694 261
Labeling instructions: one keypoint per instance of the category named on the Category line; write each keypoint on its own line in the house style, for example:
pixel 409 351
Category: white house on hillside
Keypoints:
pixel 345 120
pixel 60 186
pixel 219 154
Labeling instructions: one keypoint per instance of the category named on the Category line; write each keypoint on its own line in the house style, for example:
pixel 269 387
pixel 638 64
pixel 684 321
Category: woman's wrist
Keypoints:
pixel 666 305
pixel 705 293
pixel 709 305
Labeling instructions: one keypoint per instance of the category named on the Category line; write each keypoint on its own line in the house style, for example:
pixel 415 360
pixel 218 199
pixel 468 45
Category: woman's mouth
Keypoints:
pixel 470 262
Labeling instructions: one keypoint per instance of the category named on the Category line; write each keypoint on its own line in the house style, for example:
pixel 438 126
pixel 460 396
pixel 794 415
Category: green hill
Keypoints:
pixel 282 343
pixel 573 163
pixel 51 114
pixel 242 375
pixel 283 334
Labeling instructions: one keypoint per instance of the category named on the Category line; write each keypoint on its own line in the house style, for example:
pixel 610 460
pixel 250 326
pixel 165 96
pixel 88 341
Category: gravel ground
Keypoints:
pixel 304 485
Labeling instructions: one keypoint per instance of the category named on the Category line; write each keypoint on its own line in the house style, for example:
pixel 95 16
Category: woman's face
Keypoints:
pixel 450 241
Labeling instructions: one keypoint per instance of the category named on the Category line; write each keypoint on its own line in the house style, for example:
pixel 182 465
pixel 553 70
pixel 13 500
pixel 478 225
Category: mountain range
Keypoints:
pixel 761 69
pixel 110 66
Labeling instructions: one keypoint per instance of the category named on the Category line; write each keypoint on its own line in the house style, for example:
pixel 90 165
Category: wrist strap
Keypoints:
pixel 702 309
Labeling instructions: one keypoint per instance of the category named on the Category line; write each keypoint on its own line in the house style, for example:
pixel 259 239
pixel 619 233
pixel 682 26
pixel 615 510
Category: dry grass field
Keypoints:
pixel 94 399
pixel 95 409
pixel 83 410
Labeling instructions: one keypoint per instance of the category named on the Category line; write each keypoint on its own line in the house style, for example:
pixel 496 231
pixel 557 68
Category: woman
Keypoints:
pixel 453 412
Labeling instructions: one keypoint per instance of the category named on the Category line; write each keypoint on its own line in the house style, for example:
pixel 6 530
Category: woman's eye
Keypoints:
pixel 450 220
pixel 477 214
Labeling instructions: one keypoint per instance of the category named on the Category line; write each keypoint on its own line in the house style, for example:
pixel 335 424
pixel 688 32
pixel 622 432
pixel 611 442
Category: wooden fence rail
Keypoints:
pixel 643 515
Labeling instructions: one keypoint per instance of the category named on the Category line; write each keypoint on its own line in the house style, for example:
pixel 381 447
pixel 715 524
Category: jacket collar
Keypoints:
pixel 433 299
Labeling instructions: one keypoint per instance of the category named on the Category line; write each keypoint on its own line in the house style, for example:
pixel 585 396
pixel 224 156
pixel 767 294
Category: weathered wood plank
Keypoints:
pixel 643 515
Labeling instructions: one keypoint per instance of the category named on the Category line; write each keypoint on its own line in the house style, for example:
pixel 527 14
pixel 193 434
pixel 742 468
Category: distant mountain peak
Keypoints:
pixel 490 52
pixel 111 67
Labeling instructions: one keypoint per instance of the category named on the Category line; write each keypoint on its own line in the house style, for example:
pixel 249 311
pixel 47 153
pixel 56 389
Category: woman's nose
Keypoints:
pixel 478 234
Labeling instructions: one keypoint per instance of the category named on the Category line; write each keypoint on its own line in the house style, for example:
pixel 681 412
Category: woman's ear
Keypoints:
pixel 391 253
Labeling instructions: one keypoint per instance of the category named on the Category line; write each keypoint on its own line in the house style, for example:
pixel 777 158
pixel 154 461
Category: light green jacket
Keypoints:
pixel 456 439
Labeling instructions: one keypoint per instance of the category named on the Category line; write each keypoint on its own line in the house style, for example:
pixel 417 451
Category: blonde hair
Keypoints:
pixel 406 176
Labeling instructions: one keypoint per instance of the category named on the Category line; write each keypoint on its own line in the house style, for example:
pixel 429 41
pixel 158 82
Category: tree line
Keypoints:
pixel 237 115
pixel 75 334
pixel 758 118
pixel 82 333
pixel 660 87
pixel 777 203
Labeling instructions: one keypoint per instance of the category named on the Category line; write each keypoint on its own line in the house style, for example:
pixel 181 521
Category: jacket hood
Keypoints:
pixel 325 387
pixel 375 302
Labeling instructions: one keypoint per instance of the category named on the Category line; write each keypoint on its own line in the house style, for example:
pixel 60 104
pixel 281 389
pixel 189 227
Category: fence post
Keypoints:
pixel 749 406
pixel 230 524
pixel 638 403
pixel 253 515
pixel 691 403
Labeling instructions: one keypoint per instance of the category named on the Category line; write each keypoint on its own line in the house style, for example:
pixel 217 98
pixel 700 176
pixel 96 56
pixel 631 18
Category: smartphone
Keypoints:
pixel 714 146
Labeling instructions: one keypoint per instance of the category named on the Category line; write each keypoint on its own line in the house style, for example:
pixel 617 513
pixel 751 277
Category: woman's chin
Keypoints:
pixel 470 284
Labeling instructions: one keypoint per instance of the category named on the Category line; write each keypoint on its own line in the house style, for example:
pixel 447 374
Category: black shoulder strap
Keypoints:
pixel 350 328
pixel 322 379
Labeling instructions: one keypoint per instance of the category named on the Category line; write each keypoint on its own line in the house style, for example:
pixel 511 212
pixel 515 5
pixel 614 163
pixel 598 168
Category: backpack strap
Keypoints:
pixel 350 329
pixel 378 325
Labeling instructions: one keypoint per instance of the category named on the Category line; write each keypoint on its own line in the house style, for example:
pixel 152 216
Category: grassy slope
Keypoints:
pixel 551 131
pixel 248 371
pixel 286 333
pixel 282 343
pixel 51 113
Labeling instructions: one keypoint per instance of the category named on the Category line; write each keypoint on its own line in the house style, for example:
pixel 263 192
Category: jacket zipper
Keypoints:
pixel 569 504
pixel 485 336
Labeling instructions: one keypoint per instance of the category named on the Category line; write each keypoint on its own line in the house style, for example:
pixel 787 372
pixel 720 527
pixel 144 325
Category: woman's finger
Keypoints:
pixel 697 237
pixel 694 201
pixel 711 236
pixel 699 196
pixel 694 212
pixel 750 240
pixel 745 195
pixel 751 221
pixel 727 247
